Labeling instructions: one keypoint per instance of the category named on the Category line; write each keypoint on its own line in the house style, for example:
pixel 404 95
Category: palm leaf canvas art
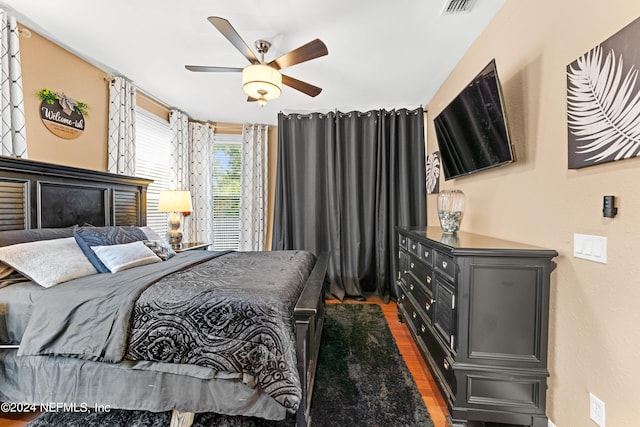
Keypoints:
pixel 603 101
pixel 433 173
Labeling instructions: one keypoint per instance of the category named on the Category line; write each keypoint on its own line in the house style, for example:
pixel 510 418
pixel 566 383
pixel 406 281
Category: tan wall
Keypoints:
pixel 594 333
pixel 47 65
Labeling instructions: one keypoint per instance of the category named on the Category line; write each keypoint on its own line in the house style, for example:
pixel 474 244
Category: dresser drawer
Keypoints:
pixel 402 291
pixel 403 264
pixel 422 273
pixel 402 241
pixel 442 359
pixel 413 247
pixel 404 300
pixel 419 250
pixel 445 313
pixel 446 265
pixel 426 254
pixel 423 298
pixel 413 314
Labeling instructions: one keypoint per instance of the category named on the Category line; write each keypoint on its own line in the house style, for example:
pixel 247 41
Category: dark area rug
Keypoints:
pixel 361 380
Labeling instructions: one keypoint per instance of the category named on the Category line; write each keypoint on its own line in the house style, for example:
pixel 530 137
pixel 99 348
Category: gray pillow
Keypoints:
pixel 122 257
pixel 105 236
pixel 11 237
pixel 48 262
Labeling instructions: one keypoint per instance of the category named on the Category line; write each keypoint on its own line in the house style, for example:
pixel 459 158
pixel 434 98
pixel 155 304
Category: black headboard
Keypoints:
pixel 41 195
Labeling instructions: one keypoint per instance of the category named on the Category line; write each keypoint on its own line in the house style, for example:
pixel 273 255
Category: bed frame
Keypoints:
pixel 42 195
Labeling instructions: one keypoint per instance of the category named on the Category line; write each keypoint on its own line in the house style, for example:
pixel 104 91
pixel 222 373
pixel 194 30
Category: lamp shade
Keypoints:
pixel 175 201
pixel 261 81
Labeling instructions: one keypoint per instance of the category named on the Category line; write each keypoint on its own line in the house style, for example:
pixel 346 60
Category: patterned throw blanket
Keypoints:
pixel 233 314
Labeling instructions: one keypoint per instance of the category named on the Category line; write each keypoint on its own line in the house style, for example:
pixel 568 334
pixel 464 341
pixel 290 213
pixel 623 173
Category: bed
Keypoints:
pixel 236 333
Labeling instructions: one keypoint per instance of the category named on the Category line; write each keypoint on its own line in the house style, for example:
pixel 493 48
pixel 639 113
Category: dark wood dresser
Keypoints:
pixel 478 309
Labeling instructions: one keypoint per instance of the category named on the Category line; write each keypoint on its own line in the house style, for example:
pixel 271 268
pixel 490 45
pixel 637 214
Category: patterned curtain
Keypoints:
pixel 201 156
pixel 12 128
pixel 122 125
pixel 180 159
pixel 253 184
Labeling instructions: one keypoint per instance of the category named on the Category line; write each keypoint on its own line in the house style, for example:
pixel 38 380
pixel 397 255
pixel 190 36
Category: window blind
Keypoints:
pixel 153 140
pixel 227 157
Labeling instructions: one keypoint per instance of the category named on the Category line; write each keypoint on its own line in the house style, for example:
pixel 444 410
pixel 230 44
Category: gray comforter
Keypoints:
pixel 232 313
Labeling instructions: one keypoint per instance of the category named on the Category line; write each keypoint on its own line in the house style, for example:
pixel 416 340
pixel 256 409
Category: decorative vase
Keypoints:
pixel 450 210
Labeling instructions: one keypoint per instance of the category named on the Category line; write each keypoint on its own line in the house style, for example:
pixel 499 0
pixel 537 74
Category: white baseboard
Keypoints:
pixel 551 424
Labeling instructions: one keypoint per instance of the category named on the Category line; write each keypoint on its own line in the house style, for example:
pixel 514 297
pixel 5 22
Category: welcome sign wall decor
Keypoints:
pixel 62 115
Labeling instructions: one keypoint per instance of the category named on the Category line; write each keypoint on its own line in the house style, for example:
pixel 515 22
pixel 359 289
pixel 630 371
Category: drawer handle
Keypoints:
pixel 444 264
pixel 426 254
pixel 427 306
pixel 446 365
pixel 412 265
pixel 428 280
pixel 414 315
pixel 423 329
pixel 413 247
pixel 411 286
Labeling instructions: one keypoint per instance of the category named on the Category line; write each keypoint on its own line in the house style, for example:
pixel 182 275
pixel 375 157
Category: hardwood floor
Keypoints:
pixel 15 420
pixel 421 374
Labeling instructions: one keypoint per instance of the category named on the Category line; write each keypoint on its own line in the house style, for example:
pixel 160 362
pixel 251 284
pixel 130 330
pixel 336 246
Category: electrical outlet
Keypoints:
pixel 596 410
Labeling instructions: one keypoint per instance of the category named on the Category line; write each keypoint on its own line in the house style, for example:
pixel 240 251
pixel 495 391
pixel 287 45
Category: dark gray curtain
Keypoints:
pixel 344 181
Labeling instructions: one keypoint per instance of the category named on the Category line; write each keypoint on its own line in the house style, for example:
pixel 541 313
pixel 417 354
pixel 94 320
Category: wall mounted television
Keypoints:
pixel 472 131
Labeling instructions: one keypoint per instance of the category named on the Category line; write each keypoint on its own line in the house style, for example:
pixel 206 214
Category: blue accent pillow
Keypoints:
pixel 105 236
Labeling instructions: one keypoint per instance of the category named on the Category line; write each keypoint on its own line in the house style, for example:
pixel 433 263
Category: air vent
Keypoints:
pixel 457 6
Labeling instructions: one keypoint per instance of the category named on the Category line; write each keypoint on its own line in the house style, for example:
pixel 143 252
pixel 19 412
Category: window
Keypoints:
pixel 227 156
pixel 153 151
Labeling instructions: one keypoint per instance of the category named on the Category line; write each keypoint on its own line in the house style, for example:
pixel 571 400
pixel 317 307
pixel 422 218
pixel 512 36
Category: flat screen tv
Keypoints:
pixel 472 130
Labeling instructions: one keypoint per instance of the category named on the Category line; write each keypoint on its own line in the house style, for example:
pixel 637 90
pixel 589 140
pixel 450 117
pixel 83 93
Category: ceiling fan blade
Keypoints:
pixel 314 49
pixel 207 69
pixel 232 35
pixel 301 86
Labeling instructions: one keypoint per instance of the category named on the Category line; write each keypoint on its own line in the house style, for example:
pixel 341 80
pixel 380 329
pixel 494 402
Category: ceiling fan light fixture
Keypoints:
pixel 261 82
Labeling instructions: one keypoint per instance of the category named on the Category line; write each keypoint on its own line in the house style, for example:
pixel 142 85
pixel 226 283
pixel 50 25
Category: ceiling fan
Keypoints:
pixel 263 81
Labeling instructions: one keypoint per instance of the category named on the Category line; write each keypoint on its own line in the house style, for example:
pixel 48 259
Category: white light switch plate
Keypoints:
pixel 593 248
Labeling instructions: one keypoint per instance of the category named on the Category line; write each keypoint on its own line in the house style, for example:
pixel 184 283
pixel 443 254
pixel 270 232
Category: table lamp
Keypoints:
pixel 176 202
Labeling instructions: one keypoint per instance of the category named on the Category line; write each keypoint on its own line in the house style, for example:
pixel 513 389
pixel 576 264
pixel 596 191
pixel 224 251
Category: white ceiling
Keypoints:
pixel 382 53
